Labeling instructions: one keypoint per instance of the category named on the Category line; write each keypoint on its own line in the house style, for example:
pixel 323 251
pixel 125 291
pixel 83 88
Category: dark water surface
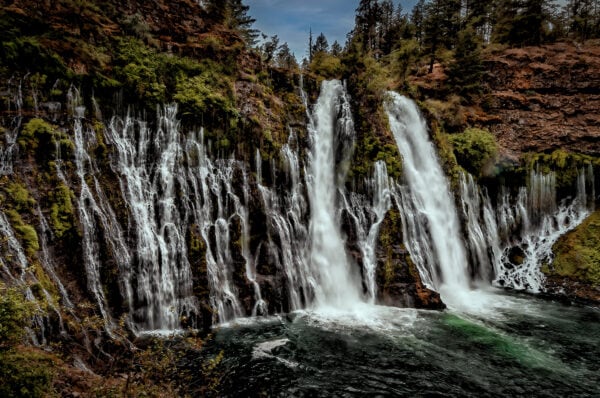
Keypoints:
pixel 517 346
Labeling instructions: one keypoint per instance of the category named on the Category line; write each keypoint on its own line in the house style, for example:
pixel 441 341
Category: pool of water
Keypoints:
pixel 511 346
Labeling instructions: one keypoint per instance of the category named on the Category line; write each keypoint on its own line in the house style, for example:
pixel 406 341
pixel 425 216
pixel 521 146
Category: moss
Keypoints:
pixel 204 94
pixel 25 232
pixel 19 197
pixel 62 216
pixel 15 313
pixel 565 164
pixel 39 138
pixel 26 373
pixel 372 148
pixel 34 132
pixel 446 154
pixel 475 150
pixel 44 283
pixel 577 254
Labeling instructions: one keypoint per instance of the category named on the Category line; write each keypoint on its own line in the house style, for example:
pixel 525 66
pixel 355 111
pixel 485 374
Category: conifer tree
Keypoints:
pixel 466 72
pixel 285 58
pixel 336 49
pixel 321 45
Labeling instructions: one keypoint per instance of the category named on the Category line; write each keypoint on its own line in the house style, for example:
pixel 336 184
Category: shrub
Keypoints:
pixel 475 150
pixel 326 65
pixel 19 195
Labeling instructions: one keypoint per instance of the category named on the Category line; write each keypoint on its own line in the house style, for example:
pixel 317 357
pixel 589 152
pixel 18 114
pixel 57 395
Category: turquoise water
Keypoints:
pixel 517 346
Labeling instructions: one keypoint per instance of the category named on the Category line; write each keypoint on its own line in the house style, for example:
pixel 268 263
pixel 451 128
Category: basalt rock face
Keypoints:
pixel 398 280
pixel 545 98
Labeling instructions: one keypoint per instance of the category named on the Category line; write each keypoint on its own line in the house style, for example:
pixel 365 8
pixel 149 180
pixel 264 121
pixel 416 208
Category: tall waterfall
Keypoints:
pixel 331 129
pixel 433 227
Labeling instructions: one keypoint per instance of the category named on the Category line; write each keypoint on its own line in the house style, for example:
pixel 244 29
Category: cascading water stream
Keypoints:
pixel 367 216
pixel 428 201
pixel 331 120
pixel 482 236
pixel 212 192
pixel 148 165
pixel 534 221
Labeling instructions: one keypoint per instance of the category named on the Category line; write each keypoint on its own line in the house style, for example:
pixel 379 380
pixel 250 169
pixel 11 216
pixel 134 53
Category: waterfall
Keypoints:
pixel 287 233
pixel 366 216
pixel 148 164
pixel 331 131
pixel 428 203
pixel 482 236
pixel 534 222
pixel 9 145
pixel 15 267
pixel 216 205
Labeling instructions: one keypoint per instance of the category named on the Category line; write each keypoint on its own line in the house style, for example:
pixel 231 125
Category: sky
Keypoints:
pixel 291 20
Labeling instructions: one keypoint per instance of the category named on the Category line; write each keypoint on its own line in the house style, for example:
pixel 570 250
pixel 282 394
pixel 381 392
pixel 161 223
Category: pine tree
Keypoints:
pixel 269 48
pixel 584 18
pixel 477 15
pixel 336 49
pixel 310 45
pixel 367 15
pixel 321 45
pixel 417 19
pixel 234 15
pixel 285 58
pixel 521 22
pixel 242 22
pixel 466 72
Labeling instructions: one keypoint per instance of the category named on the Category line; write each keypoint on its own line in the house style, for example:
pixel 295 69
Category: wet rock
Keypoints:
pixel 398 280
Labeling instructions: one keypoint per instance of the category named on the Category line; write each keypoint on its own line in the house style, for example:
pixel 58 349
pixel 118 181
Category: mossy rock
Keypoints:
pixel 577 254
pixel 25 232
pixel 567 165
pixel 36 132
pixel 18 197
pixel 62 213
pixel 475 150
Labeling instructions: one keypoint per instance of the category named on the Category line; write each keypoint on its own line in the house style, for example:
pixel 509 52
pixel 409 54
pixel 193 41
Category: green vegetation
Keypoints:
pixel 36 133
pixel 204 93
pixel 25 232
pixel 19 196
pixel 24 372
pixel 577 254
pixel 15 314
pixel 475 150
pixel 567 165
pixel 62 216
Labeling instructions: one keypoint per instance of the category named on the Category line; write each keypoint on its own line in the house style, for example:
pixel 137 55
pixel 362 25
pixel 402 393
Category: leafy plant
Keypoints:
pixel 475 150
